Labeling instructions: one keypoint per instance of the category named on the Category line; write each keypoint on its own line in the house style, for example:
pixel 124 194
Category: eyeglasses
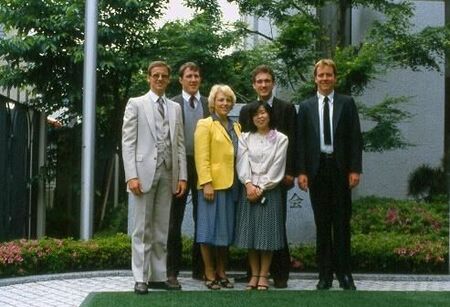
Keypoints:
pixel 157 76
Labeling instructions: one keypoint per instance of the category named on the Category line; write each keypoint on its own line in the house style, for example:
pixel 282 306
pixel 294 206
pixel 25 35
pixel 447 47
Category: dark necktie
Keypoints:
pixel 192 102
pixel 326 121
pixel 160 102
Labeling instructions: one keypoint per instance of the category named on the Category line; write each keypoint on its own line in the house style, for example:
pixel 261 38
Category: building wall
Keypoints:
pixel 386 173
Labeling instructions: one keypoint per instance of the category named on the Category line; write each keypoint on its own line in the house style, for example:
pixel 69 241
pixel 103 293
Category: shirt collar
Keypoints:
pixel 155 97
pixel 269 101
pixel 187 96
pixel 330 97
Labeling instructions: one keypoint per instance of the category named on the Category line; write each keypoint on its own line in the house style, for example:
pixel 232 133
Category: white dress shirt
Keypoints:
pixel 325 148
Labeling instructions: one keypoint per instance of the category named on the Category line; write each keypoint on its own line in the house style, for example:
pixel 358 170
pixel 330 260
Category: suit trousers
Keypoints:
pixel 281 260
pixel 174 243
pixel 331 203
pixel 149 239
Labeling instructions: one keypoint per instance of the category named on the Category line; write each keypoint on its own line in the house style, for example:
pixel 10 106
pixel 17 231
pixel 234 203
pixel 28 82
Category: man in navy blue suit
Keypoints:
pixel 329 164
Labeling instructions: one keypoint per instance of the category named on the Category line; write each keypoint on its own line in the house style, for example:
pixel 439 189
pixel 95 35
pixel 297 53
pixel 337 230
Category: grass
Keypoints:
pixel 269 298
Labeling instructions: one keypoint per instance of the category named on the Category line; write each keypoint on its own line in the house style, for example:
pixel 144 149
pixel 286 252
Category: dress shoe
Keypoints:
pixel 159 285
pixel 280 283
pixel 324 284
pixel 173 284
pixel 346 282
pixel 140 288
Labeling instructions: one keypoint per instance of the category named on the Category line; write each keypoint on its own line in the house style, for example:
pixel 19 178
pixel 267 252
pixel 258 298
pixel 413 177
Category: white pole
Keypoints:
pixel 88 141
pixel 447 119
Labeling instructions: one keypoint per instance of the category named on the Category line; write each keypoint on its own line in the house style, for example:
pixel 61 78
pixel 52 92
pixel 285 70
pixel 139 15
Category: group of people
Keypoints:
pixel 238 174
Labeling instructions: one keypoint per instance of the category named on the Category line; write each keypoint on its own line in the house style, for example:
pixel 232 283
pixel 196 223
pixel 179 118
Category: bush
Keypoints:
pixel 389 236
pixel 28 257
pixel 428 183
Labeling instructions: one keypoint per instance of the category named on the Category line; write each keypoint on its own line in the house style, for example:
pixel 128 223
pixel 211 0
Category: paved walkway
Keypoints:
pixel 72 288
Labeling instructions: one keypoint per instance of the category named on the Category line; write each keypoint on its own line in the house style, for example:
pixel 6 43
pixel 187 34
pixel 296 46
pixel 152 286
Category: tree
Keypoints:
pixel 44 52
pixel 304 36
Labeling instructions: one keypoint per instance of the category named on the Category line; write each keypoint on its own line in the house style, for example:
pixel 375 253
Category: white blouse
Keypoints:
pixel 261 159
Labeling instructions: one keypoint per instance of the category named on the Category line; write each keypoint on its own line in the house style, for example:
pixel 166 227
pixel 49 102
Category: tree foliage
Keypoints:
pixel 391 42
pixel 43 51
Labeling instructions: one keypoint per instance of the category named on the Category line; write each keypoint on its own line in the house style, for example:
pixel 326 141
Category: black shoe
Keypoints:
pixel 346 282
pixel 140 288
pixel 280 283
pixel 324 284
pixel 160 285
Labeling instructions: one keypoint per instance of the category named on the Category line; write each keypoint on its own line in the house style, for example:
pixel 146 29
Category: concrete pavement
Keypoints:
pixel 71 289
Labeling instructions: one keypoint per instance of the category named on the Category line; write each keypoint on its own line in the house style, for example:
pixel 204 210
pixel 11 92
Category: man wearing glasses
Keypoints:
pixel 154 160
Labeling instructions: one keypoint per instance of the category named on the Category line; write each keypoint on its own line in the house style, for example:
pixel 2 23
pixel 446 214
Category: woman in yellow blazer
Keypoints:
pixel 215 148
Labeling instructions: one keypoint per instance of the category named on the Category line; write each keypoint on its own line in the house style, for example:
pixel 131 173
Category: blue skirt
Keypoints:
pixel 215 219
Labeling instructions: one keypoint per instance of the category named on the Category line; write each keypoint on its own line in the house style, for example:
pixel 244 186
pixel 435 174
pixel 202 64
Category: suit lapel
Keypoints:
pixel 337 111
pixel 172 119
pixel 204 103
pixel 315 115
pixel 222 129
pixel 147 104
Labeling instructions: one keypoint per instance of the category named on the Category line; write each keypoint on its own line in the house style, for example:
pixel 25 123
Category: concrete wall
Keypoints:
pixel 386 173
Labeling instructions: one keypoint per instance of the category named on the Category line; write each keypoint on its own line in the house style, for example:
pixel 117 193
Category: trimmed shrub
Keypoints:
pixel 389 236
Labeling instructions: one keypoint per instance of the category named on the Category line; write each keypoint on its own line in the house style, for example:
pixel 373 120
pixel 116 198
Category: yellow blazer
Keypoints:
pixel 214 154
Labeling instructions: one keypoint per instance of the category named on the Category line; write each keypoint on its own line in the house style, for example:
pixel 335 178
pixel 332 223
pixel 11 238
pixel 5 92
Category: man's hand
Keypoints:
pixel 208 191
pixel 134 185
pixel 353 180
pixel 302 181
pixel 288 181
pixel 181 188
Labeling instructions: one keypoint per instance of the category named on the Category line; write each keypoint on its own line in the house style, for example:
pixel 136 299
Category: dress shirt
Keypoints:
pixel 155 98
pixel 187 96
pixel 325 148
pixel 269 101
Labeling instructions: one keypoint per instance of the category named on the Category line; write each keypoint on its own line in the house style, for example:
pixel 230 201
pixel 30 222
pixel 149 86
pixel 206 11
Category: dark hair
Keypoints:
pixel 262 69
pixel 187 65
pixel 158 64
pixel 253 109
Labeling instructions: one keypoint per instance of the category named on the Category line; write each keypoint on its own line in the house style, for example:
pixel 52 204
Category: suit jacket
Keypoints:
pixel 203 101
pixel 285 122
pixel 347 139
pixel 214 154
pixel 139 140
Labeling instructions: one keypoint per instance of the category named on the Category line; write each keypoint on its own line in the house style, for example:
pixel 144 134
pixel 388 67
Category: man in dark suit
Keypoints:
pixel 329 156
pixel 263 80
pixel 193 107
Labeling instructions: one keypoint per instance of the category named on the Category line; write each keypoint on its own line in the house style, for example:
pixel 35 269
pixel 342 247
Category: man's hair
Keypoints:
pixel 253 109
pixel 325 62
pixel 262 69
pixel 157 64
pixel 191 66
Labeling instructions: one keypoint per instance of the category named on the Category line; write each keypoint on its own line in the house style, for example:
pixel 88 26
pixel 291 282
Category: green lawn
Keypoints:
pixel 268 298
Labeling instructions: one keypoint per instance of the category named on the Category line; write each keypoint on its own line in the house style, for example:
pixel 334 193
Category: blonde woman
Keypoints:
pixel 216 141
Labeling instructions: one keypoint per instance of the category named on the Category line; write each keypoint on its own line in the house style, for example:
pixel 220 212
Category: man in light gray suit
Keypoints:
pixel 154 160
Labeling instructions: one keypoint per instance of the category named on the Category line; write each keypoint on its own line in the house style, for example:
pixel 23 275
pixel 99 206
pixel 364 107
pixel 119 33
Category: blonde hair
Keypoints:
pixel 224 89
pixel 325 62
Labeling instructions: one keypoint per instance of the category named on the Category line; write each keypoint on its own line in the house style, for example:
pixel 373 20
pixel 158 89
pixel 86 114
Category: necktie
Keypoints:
pixel 160 102
pixel 192 102
pixel 326 121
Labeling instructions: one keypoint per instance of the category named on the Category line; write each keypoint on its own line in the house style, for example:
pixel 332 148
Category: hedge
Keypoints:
pixel 389 236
